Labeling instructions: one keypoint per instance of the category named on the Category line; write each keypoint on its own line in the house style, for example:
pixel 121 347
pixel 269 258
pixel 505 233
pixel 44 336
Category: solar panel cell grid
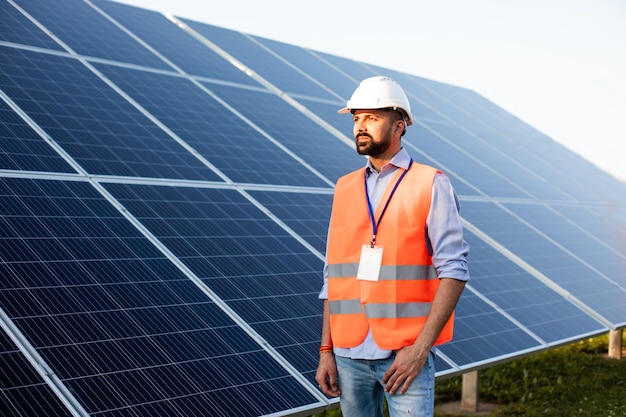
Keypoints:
pixel 264 275
pixel 483 334
pixel 561 267
pixel 306 214
pixel 601 256
pixel 233 146
pixel 549 315
pixel 452 157
pixel 123 335
pixel 92 122
pixel 174 44
pixel 88 33
pixel 17 28
pixel 267 65
pixel 23 391
pixel 317 147
pixel 336 82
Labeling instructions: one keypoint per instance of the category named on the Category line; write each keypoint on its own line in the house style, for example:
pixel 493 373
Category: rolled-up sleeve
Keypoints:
pixel 323 295
pixel 445 232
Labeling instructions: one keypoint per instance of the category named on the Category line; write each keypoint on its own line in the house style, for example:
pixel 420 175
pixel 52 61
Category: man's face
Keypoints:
pixel 373 131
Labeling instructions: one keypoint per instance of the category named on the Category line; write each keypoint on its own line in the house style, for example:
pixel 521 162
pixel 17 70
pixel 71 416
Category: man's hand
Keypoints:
pixel 405 368
pixel 326 375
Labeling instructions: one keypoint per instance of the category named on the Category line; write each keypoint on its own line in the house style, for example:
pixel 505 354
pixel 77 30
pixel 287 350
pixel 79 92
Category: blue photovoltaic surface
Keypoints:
pixel 547 314
pixel 597 252
pixel 447 146
pixel 342 85
pixel 22 391
pixel 248 260
pixel 82 283
pixel 358 71
pixel 17 28
pixel 329 156
pixel 265 64
pixel 562 267
pixel 22 149
pixel 92 122
pixel 306 214
pixel 89 33
pixel 237 149
pixel 179 47
pixel 483 334
pixel 177 272
pixel 535 176
pixel 604 223
pixel 567 172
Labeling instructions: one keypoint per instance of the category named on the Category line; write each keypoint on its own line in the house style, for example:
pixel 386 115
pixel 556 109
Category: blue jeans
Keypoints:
pixel 362 389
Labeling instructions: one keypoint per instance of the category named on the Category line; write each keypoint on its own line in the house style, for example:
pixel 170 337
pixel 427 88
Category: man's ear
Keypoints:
pixel 400 128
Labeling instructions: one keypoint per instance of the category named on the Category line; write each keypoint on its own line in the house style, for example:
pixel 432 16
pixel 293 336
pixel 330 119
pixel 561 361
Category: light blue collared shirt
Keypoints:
pixel 445 238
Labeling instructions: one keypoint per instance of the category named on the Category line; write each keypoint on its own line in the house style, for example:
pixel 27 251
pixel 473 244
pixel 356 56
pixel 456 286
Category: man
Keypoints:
pixel 395 266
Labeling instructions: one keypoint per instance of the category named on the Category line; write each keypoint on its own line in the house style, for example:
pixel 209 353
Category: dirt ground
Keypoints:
pixel 454 409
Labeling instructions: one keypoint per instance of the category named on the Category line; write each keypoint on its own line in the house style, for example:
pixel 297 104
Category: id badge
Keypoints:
pixel 370 262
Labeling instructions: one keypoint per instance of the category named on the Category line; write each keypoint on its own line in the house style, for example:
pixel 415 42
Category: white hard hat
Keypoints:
pixel 379 93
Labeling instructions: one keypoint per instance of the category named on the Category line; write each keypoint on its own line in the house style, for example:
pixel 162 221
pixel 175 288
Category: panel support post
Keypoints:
pixel 470 392
pixel 615 344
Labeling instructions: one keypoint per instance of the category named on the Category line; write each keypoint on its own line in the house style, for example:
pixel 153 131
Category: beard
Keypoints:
pixel 372 148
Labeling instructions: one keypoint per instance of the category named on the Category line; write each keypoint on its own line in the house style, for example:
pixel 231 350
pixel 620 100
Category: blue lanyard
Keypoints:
pixel 375 223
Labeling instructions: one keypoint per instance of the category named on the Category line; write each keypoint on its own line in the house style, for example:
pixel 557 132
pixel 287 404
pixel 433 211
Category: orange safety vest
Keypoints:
pixel 396 306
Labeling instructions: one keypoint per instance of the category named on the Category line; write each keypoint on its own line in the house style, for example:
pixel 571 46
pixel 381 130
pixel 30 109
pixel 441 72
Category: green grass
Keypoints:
pixel 575 380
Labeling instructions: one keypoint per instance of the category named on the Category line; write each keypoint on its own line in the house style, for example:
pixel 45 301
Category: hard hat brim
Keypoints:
pixel 408 120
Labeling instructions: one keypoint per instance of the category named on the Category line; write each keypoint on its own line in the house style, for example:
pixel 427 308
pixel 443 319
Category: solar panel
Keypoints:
pixel 482 334
pixel 216 133
pixel 22 149
pixel 24 392
pixel 179 48
pixel 603 257
pixel 307 214
pixel 88 33
pixel 268 65
pixel 342 85
pixel 93 123
pixel 307 139
pixel 523 297
pixel 560 266
pixel 165 191
pixel 81 282
pixel 247 259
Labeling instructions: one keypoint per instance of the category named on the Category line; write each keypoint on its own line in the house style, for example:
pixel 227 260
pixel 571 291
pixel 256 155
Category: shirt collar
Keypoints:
pixel 400 160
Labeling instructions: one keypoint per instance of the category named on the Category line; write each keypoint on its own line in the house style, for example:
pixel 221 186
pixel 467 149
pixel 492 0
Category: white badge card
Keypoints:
pixel 369 265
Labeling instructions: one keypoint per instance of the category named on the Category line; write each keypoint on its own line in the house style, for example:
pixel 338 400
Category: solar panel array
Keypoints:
pixel 165 187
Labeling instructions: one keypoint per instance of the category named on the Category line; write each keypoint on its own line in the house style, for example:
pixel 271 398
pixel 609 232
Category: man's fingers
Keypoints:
pixel 407 384
pixel 391 371
pixel 330 388
pixel 328 385
pixel 398 381
pixel 392 382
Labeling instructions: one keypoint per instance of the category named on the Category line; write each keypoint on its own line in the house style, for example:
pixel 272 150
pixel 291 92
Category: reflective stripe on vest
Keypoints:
pixel 397 311
pixel 387 272
pixel 380 311
pixel 396 306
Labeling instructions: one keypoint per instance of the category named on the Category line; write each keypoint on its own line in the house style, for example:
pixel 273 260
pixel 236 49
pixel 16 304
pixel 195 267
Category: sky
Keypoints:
pixel 558 65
